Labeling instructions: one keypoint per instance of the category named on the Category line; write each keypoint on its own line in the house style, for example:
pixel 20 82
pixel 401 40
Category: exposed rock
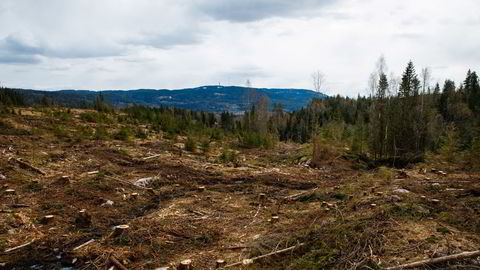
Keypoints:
pixel 107 203
pixel 145 182
pixel 2 177
pixel 395 198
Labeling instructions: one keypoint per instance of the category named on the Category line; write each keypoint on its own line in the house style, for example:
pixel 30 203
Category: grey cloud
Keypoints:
pixel 18 59
pixel 251 10
pixel 409 36
pixel 16 50
pixel 167 40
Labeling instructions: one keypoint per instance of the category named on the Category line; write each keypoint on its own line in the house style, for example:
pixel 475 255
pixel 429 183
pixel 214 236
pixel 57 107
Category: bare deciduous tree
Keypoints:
pixel 318 79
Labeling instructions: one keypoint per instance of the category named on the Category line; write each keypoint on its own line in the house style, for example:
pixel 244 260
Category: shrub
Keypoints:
pixel 95 117
pixel 60 131
pixel 141 133
pixel 257 139
pixel 123 134
pixel 228 156
pixel 101 133
pixel 322 151
pixel 206 147
pixel 191 144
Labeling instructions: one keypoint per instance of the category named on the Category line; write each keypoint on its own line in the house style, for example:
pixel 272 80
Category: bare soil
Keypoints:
pixel 347 218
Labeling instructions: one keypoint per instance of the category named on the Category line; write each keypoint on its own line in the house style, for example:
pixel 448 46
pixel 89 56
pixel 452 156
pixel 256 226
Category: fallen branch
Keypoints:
pixel 117 263
pixel 150 157
pixel 19 205
pixel 25 165
pixel 19 247
pixel 296 196
pixel 251 260
pixel 463 255
pixel 84 244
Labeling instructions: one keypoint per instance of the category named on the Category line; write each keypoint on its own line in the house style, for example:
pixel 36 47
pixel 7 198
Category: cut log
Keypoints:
pixel 64 180
pixel 262 197
pixel 274 219
pixel 10 191
pixel 185 265
pixel 459 256
pixel 220 263
pixel 119 230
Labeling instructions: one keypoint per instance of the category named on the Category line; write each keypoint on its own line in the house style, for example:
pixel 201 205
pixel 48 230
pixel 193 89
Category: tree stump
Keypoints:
pixel 119 230
pixel 220 263
pixel 201 188
pixel 10 191
pixel 185 265
pixel 274 219
pixel 83 219
pixel 64 180
pixel 47 219
pixel 262 197
pixel 134 196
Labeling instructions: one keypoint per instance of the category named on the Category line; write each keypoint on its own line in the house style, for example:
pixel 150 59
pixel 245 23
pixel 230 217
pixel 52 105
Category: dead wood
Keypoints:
pixel 251 260
pixel 19 247
pixel 27 166
pixel 298 195
pixel 459 256
pixel 150 157
pixel 117 263
pixel 84 244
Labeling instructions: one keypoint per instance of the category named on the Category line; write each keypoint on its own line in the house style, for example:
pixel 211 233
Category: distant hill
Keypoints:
pixel 205 98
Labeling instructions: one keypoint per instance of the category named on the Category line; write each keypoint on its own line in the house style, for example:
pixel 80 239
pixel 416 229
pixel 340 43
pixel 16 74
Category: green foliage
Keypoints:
pixel 101 105
pixel 60 132
pixel 123 134
pixel 6 128
pixel 250 139
pixel 10 97
pixel 474 153
pixel 228 156
pixel 101 133
pixel 191 144
pixel 323 151
pixel 320 257
pixel 449 146
pixel 95 117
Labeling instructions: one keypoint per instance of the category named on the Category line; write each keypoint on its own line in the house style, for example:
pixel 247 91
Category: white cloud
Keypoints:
pixel 126 44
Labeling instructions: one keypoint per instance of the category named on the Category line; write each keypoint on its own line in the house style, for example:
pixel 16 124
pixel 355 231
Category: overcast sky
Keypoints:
pixel 125 44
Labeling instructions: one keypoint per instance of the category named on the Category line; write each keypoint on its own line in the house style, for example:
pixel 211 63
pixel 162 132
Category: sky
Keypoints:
pixel 130 44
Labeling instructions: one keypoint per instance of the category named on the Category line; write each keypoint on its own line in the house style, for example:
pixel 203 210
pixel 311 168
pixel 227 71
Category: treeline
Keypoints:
pixel 402 118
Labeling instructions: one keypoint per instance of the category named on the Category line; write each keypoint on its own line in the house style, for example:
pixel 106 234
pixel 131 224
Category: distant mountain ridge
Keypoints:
pixel 206 98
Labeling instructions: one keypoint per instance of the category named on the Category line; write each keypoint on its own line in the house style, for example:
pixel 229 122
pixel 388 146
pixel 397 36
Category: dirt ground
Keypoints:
pixel 196 208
